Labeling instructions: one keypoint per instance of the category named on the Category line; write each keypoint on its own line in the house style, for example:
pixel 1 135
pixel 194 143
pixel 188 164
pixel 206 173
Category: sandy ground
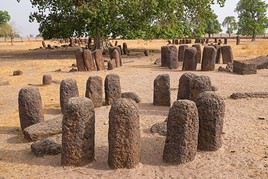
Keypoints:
pixel 245 141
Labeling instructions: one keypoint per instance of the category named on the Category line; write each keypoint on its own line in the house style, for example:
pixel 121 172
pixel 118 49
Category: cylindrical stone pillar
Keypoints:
pixel 209 58
pixel 162 90
pixel 112 88
pixel 94 90
pixel 185 83
pixel 189 60
pixel 169 56
pixel 80 60
pixel 198 52
pixel 199 85
pixel 181 52
pixel 47 79
pixel 227 54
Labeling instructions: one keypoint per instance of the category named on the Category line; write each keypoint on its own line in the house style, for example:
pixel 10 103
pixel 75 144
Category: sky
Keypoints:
pixel 20 14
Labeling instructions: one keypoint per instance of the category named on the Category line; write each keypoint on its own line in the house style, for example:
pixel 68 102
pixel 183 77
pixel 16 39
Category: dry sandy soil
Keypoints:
pixel 245 140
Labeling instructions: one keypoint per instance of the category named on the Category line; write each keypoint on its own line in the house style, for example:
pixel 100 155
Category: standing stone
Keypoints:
pixel 146 53
pixel 94 90
pixel 111 65
pixel 181 52
pixel 162 90
pixel 225 41
pixel 89 61
pixel 169 56
pixel 124 135
pixel 116 57
pixel 238 40
pixel 112 88
pixel 227 54
pixel 44 44
pixel 68 89
pixel 80 60
pixel 189 60
pixel 199 85
pixel 47 79
pixel 198 52
pixel 185 83
pixel 99 60
pixel 78 132
pixel 211 109
pixel 30 107
pixel 125 48
pixel 182 133
pixel 209 58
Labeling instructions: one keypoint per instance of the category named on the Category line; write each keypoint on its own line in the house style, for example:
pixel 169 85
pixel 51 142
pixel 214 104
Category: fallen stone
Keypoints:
pixel 249 95
pixel 132 96
pixel 159 128
pixel 17 73
pixel 244 68
pixel 47 79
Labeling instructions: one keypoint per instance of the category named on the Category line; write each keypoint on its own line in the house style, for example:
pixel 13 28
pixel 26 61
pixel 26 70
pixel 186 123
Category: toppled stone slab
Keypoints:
pixel 131 95
pixel 159 128
pixel 244 68
pixel 249 95
pixel 261 62
pixel 229 68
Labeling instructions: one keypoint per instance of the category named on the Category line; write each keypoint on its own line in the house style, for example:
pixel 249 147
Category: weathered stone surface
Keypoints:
pixel 17 73
pixel 94 90
pixel 249 95
pixel 162 90
pixel 261 62
pixel 131 95
pixel 209 58
pixel 169 56
pixel 244 68
pixel 181 52
pixel 43 129
pixel 112 88
pixel 111 65
pixel 211 109
pixel 78 132
pixel 47 79
pixel 225 41
pixel 48 146
pixel 189 60
pixel 185 83
pixel 218 52
pixel 30 107
pixel 44 44
pixel 89 61
pixel 68 89
pixel 182 133
pixel 125 49
pixel 227 54
pixel 99 60
pixel 80 60
pixel 159 128
pixel 116 57
pixel 199 85
pixel 237 40
pixel 146 53
pixel 198 56
pixel 124 134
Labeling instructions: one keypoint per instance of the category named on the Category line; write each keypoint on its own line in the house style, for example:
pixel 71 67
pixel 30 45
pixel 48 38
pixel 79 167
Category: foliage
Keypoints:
pixel 230 23
pixel 4 17
pixel 212 25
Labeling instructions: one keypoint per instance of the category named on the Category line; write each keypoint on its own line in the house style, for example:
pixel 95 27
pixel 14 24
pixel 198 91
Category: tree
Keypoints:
pixel 230 23
pixel 213 26
pixel 4 17
pixel 252 17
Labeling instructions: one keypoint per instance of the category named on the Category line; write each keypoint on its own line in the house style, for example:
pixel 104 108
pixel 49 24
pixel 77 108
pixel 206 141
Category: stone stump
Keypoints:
pixel 80 60
pixel 181 52
pixel 199 85
pixel 78 132
pixel 198 52
pixel 30 107
pixel 185 83
pixel 94 90
pixel 124 135
pixel 89 61
pixel 182 133
pixel 169 56
pixel 47 79
pixel 209 58
pixel 125 48
pixel 99 60
pixel 227 54
pixel 162 91
pixel 189 60
pixel 211 109
pixel 112 88
pixel 68 89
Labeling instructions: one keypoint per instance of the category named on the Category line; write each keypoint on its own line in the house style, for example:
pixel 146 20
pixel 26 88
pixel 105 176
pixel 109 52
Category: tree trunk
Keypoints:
pixel 253 37
pixel 209 35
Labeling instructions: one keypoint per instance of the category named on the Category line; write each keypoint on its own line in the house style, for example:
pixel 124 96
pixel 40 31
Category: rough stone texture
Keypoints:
pixel 78 132
pixel 80 60
pixel 125 49
pixel 209 58
pixel 124 135
pixel 30 107
pixel 111 64
pixel 131 95
pixel 146 53
pixel 218 54
pixel 99 60
pixel 249 95
pixel 199 85
pixel 116 57
pixel 43 129
pixel 198 56
pixel 189 60
pixel 162 90
pixel 159 128
pixel 169 56
pixel 44 44
pixel 89 61
pixel 227 54
pixel 261 62
pixel 225 41
pixel 94 90
pixel 68 89
pixel 244 68
pixel 182 133
pixel 185 83
pixel 237 40
pixel 181 52
pixel 211 109
pixel 112 88
pixel 17 73
pixel 47 79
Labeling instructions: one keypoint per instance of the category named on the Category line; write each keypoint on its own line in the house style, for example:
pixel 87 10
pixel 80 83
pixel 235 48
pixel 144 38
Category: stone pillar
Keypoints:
pixel 116 57
pixel 182 133
pixel 211 109
pixel 112 88
pixel 68 89
pixel 198 52
pixel 78 132
pixel 189 60
pixel 99 60
pixel 225 41
pixel 238 40
pixel 89 61
pixel 227 54
pixel 218 54
pixel 125 48
pixel 199 85
pixel 94 90
pixel 185 83
pixel 124 134
pixel 169 56
pixel 47 79
pixel 181 52
pixel 162 90
pixel 80 60
pixel 30 107
pixel 209 58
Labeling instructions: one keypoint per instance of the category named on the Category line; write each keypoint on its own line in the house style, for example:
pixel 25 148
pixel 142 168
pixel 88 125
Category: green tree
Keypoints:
pixel 4 17
pixel 230 23
pixel 213 25
pixel 252 17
